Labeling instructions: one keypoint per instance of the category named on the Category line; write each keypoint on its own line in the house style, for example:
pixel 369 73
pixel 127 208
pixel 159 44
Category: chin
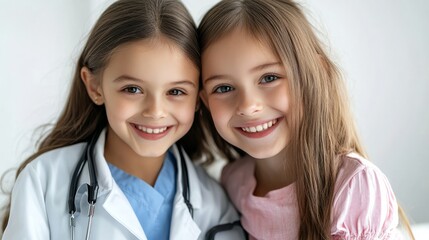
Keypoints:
pixel 262 154
pixel 152 154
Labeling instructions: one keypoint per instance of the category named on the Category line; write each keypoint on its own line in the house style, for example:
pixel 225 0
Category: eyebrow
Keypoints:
pixel 127 78
pixel 263 66
pixel 134 79
pixel 184 82
pixel 254 69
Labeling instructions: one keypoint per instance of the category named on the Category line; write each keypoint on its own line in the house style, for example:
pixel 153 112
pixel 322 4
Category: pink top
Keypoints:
pixel 365 206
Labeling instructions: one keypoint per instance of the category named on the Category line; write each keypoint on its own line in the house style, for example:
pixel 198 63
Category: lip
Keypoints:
pixel 258 134
pixel 150 136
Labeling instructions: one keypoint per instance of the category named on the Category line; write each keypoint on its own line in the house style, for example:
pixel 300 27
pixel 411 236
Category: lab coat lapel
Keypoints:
pixel 116 203
pixel 194 183
pixel 182 224
pixel 119 208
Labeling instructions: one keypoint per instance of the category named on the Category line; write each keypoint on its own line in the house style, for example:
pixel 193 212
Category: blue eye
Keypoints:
pixel 176 92
pixel 223 89
pixel 132 90
pixel 269 78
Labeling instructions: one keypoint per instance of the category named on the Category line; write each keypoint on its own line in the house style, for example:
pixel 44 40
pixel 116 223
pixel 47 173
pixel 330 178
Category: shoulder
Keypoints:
pixel 212 205
pixel 358 174
pixel 356 169
pixel 199 179
pixel 364 202
pixel 205 191
pixel 67 155
pixel 57 162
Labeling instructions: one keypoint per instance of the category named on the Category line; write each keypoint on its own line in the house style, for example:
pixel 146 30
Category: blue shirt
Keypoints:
pixel 153 206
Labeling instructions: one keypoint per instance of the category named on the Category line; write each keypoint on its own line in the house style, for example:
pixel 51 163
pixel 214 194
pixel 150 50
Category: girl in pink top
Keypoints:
pixel 280 103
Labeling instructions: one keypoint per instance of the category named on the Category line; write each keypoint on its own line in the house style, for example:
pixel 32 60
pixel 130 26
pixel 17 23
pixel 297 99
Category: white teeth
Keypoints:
pixel 151 130
pixel 260 128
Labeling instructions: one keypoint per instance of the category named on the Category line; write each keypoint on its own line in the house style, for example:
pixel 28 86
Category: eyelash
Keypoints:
pixel 138 90
pixel 273 77
pixel 178 92
pixel 128 89
pixel 218 89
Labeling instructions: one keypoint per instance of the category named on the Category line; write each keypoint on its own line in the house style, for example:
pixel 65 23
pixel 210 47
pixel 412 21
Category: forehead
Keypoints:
pixel 151 59
pixel 235 49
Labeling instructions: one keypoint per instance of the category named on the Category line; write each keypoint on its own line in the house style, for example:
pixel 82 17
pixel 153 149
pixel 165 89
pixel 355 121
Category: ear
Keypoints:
pixel 203 96
pixel 92 86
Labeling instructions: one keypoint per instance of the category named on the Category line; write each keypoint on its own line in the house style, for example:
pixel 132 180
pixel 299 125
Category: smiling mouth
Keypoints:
pixel 260 127
pixel 151 130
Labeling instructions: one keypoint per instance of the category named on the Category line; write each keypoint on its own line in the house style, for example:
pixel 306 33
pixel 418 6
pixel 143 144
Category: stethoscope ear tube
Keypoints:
pixel 93 187
pixel 74 182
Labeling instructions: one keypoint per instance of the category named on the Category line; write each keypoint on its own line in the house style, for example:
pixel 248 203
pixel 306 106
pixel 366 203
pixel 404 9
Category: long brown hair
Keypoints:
pixel 122 22
pixel 323 129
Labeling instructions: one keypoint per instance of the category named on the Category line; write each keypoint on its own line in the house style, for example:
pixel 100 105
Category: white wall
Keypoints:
pixel 382 47
pixel 39 41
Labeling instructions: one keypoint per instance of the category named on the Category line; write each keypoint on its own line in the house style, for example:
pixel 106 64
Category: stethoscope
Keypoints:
pixel 92 189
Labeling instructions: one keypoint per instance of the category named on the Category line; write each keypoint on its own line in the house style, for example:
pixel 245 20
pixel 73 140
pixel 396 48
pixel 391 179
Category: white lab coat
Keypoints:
pixel 39 207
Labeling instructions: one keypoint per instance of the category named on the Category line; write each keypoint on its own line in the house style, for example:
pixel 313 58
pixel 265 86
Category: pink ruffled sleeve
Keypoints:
pixel 365 206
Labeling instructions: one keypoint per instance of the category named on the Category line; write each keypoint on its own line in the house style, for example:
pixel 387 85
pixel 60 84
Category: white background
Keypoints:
pixel 382 47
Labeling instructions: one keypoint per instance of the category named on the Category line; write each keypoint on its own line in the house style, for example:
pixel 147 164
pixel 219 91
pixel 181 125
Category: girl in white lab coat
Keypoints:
pixel 137 80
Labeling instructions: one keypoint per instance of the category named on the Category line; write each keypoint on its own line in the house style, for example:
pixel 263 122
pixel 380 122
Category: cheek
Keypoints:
pixel 280 98
pixel 220 111
pixel 118 108
pixel 185 111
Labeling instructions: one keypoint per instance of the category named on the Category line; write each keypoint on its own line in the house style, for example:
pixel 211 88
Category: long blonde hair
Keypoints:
pixel 124 21
pixel 322 126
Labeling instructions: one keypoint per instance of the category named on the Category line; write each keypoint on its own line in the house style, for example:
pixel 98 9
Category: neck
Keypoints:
pixel 273 173
pixel 123 157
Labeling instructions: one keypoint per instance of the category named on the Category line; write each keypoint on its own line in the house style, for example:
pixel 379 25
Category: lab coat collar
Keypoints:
pixel 115 203
pixel 105 179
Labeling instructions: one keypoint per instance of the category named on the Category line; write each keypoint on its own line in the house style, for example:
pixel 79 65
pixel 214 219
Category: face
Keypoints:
pixel 246 91
pixel 149 89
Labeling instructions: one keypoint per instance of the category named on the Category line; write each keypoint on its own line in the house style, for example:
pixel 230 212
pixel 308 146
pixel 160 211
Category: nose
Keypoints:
pixel 248 104
pixel 154 107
